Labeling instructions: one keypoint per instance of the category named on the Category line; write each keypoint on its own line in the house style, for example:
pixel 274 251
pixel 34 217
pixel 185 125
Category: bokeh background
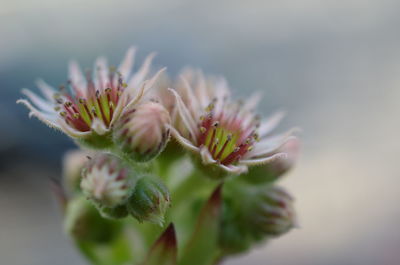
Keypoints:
pixel 334 65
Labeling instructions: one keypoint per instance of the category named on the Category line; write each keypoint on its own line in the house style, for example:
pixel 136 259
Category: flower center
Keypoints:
pixel 226 137
pixel 99 102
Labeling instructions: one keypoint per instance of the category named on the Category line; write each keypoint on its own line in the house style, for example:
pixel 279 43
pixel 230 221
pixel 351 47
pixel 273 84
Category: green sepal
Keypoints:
pixel 96 141
pixel 118 212
pixel 263 174
pixel 202 247
pixel 172 152
pixel 212 171
pixel 135 155
pixel 164 251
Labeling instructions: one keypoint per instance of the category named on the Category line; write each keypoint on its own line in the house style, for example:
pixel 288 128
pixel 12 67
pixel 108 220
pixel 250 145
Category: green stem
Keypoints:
pixel 88 251
pixel 187 185
pixel 193 184
pixel 140 167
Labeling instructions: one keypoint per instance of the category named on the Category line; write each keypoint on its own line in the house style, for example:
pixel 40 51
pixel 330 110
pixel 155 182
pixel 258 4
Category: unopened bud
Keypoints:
pixel 272 171
pixel 150 200
pixel 107 181
pixel 142 133
pixel 272 213
pixel 253 214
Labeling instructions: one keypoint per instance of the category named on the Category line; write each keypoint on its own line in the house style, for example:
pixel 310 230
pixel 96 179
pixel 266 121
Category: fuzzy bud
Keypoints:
pixel 150 200
pixel 143 132
pixel 272 171
pixel 253 214
pixel 107 181
pixel 272 213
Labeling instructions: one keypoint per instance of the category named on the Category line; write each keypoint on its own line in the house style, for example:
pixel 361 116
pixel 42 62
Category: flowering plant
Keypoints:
pixel 168 172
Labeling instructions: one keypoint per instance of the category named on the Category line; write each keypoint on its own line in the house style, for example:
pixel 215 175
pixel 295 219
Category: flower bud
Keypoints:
pixel 253 214
pixel 142 133
pixel 84 223
pixel 73 163
pixel 107 181
pixel 272 213
pixel 150 200
pixel 272 171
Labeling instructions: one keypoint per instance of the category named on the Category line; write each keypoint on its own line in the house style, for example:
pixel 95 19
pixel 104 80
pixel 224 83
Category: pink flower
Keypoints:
pixel 224 133
pixel 91 103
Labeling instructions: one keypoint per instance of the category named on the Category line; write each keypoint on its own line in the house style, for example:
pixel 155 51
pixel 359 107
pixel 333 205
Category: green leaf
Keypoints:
pixel 102 241
pixel 202 247
pixel 164 250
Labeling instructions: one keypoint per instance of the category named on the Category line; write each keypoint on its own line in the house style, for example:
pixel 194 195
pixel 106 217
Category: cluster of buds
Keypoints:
pixel 124 122
pixel 116 190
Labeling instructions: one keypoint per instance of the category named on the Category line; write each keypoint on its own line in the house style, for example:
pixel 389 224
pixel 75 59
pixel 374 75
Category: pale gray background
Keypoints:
pixel 333 64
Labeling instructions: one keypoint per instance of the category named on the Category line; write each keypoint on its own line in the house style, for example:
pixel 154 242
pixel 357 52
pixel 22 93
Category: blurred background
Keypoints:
pixel 334 65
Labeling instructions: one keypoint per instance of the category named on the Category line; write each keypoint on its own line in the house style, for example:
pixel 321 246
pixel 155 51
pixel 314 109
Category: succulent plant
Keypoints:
pixel 135 197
